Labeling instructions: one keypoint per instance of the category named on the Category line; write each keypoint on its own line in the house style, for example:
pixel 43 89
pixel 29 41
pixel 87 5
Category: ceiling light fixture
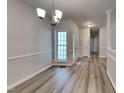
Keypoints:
pixel 56 15
pixel 90 25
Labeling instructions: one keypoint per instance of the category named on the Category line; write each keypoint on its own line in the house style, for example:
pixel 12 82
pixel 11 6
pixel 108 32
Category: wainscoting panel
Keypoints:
pixel 111 66
pixel 23 67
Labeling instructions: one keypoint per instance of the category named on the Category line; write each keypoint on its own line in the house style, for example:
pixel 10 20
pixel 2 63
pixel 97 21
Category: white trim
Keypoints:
pixel 66 63
pixel 27 55
pixel 55 44
pixel 113 58
pixel 60 61
pixel 111 81
pixel 111 50
pixel 10 87
pixel 63 64
pixel 84 56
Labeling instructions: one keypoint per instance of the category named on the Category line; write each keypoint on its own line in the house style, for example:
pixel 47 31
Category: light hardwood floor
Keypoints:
pixel 85 76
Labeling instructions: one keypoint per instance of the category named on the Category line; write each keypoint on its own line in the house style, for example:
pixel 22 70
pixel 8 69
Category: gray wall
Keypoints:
pixel 84 39
pixel 29 42
pixel 113 29
pixel 102 42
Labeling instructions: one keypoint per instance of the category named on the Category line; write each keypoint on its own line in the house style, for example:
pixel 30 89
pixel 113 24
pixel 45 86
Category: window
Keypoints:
pixel 61 45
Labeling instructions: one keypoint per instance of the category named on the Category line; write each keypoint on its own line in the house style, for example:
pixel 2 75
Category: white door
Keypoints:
pixel 61 45
pixel 85 42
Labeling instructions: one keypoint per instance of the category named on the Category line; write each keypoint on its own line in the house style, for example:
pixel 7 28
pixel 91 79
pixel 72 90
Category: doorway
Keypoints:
pixel 94 43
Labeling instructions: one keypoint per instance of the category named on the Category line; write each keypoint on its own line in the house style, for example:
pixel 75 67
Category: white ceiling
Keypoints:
pixel 81 11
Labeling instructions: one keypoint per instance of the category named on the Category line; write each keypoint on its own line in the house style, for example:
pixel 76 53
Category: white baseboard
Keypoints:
pixel 111 81
pixel 63 64
pixel 84 56
pixel 10 87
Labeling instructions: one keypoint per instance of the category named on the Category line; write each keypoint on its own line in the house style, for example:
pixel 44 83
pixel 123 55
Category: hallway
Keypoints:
pixel 46 39
pixel 85 76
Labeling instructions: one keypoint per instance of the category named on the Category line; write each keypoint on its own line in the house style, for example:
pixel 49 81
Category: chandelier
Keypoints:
pixel 56 15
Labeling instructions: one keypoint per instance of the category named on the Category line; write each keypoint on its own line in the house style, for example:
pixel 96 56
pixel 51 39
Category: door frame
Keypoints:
pixel 97 43
pixel 74 46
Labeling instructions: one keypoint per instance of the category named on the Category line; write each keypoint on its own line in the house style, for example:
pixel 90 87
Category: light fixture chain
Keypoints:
pixel 53 12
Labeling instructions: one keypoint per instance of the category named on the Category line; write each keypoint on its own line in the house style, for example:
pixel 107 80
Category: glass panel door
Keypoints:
pixel 61 45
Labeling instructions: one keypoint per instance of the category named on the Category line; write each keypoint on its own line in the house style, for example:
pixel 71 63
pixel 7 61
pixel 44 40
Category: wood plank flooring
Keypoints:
pixel 85 76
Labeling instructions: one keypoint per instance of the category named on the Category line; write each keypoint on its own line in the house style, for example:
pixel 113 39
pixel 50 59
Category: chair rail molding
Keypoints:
pixel 111 50
pixel 27 55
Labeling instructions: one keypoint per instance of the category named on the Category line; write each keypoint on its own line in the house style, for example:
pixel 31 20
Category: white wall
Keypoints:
pixel 84 42
pixel 113 29
pixel 102 41
pixel 29 42
pixel 71 27
pixel 111 43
